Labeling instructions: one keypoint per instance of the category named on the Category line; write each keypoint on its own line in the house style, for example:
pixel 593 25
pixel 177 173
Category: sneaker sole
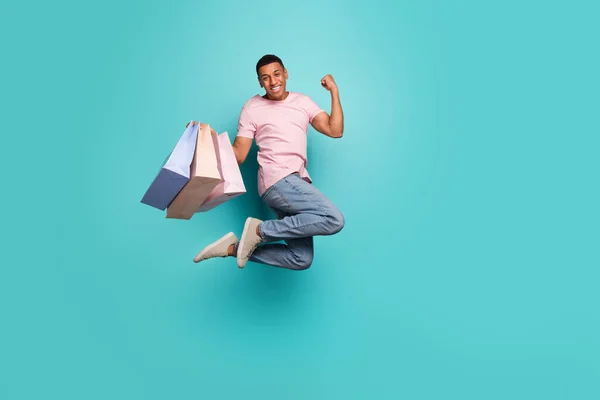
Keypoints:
pixel 215 244
pixel 241 245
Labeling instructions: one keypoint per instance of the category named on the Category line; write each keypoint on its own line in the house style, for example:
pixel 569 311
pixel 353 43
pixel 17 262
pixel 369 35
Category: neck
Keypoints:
pixel 266 96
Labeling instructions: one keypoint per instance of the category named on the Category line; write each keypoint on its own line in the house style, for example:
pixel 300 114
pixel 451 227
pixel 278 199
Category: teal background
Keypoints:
pixel 468 176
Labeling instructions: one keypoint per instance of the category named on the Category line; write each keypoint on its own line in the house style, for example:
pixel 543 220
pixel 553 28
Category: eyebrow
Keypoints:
pixel 268 74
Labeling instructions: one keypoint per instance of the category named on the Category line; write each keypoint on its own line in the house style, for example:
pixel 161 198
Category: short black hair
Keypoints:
pixel 268 59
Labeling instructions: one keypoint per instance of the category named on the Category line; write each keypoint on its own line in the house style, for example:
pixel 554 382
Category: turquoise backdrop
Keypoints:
pixel 468 175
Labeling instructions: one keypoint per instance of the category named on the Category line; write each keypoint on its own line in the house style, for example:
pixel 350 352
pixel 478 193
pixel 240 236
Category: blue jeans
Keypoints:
pixel 302 212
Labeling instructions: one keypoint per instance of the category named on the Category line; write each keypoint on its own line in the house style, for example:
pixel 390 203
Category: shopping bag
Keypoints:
pixel 232 184
pixel 175 171
pixel 204 177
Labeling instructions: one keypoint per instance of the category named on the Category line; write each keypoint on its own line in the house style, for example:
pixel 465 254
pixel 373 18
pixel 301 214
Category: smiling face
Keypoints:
pixel 272 78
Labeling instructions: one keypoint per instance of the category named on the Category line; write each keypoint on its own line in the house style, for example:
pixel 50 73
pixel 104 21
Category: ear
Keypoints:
pixel 260 82
pixel 285 73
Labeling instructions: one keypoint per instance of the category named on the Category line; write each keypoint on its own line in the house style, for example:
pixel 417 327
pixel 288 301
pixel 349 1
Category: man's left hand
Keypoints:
pixel 328 83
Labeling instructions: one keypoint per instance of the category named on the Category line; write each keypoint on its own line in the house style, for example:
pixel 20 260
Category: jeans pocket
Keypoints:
pixel 274 198
pixel 267 192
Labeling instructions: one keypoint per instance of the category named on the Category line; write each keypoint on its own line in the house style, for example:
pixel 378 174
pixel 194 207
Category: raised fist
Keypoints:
pixel 328 83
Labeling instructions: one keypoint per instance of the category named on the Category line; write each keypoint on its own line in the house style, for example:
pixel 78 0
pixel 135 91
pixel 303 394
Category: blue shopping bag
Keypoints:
pixel 175 172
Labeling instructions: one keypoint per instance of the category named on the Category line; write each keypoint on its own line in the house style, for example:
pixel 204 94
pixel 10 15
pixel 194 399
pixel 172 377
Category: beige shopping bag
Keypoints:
pixel 204 177
pixel 233 184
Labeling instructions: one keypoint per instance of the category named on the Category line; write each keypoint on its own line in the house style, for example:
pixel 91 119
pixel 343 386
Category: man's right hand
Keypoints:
pixel 241 145
pixel 196 123
pixel 202 125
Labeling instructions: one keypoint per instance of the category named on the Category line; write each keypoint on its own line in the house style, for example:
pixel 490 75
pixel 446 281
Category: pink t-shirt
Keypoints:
pixel 280 129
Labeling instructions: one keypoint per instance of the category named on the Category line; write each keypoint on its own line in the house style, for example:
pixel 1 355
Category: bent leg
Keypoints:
pixel 296 254
pixel 308 212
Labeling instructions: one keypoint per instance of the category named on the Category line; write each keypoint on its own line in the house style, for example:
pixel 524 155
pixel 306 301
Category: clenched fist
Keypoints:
pixel 328 83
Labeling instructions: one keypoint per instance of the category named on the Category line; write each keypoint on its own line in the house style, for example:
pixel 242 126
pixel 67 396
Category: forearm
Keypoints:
pixel 241 147
pixel 336 120
pixel 238 156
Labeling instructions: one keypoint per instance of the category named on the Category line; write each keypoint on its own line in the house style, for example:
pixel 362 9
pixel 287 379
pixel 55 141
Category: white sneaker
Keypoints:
pixel 249 241
pixel 217 249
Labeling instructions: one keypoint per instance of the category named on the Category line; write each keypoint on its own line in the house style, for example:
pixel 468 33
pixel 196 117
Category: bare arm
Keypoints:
pixel 241 148
pixel 330 125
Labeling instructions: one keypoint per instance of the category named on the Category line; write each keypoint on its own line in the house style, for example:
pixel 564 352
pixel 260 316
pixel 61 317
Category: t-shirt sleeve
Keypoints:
pixel 312 108
pixel 246 127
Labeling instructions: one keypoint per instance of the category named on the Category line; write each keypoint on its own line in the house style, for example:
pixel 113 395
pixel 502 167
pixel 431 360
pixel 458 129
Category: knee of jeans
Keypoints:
pixel 336 221
pixel 303 259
